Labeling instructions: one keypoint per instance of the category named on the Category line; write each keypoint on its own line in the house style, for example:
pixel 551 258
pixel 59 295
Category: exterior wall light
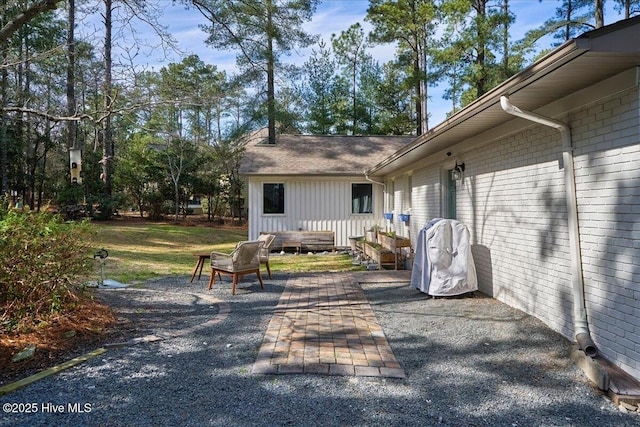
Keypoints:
pixel 456 172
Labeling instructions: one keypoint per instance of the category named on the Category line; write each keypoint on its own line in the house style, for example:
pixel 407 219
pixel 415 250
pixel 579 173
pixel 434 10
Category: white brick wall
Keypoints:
pixel 607 157
pixel 513 200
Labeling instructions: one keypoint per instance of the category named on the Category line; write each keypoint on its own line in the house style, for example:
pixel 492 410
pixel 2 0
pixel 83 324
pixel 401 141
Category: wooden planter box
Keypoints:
pixel 393 244
pixel 378 254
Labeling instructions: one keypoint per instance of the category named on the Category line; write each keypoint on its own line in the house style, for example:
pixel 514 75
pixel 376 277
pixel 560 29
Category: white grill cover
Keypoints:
pixel 443 263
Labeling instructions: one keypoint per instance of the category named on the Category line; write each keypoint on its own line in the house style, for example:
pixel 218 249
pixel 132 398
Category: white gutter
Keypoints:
pixel 581 326
pixel 375 182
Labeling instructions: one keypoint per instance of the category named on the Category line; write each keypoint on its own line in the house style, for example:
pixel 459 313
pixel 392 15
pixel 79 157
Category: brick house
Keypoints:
pixel 545 171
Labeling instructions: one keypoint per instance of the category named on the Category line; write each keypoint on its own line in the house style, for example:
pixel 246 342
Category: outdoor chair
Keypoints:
pixel 267 240
pixel 245 259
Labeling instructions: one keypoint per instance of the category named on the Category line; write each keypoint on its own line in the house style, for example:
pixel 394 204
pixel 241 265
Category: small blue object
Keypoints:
pixel 404 217
pixel 388 215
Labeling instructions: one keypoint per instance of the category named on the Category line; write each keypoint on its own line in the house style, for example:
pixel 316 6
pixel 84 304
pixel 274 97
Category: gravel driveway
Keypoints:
pixel 468 361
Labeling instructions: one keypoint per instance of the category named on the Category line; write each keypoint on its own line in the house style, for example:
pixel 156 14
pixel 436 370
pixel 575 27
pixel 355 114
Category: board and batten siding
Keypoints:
pixel 398 192
pixel 315 204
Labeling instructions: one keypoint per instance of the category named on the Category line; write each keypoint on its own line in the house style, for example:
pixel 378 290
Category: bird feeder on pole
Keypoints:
pixel 75 165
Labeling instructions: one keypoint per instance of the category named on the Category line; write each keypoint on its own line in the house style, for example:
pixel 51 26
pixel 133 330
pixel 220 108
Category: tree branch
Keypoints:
pixel 25 16
pixel 52 117
pixel 239 42
pixel 92 118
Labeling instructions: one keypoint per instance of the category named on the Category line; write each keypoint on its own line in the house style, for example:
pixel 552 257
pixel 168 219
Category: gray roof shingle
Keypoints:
pixel 317 154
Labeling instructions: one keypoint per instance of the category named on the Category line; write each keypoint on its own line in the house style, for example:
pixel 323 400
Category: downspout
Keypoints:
pixel 384 186
pixel 582 335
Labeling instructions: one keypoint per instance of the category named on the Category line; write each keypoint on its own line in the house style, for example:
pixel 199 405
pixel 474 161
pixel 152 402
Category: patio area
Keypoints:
pixel 461 361
pixel 325 325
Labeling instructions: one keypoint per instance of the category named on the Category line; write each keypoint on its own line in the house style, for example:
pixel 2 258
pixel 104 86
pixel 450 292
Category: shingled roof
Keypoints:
pixel 317 154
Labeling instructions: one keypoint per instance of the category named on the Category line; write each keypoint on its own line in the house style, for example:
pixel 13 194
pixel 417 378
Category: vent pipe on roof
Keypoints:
pixel 583 337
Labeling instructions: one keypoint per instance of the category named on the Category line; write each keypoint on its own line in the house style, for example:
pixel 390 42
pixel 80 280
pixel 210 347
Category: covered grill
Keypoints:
pixel 443 263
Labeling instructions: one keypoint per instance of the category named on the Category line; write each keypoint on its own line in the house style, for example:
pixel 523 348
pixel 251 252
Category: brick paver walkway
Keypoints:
pixel 324 324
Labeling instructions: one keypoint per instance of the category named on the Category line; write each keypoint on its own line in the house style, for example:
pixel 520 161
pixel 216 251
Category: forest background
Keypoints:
pixel 104 107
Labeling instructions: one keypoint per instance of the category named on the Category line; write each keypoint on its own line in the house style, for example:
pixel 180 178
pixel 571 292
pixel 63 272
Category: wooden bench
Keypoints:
pixel 303 240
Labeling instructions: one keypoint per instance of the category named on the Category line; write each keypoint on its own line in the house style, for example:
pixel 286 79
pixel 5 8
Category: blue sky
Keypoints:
pixel 332 16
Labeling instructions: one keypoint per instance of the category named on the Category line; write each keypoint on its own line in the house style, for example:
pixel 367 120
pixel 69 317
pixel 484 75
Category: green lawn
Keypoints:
pixel 139 251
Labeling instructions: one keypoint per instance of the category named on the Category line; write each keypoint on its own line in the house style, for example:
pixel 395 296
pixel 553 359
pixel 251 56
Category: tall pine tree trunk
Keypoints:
pixel 4 145
pixel 71 79
pixel 567 28
pixel 424 111
pixel 41 167
pixel 481 59
pixel 271 95
pixel 627 9
pixel 599 13
pixel 417 75
pixel 29 137
pixel 107 137
pixel 505 41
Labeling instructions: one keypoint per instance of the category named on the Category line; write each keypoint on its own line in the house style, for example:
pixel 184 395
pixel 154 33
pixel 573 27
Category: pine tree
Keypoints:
pixel 261 31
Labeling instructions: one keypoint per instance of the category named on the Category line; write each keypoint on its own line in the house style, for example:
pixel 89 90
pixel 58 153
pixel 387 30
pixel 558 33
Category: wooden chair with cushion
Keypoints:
pixel 245 259
pixel 267 240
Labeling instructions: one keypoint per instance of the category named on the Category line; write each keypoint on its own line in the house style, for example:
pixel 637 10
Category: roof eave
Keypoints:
pixel 553 60
pixel 305 175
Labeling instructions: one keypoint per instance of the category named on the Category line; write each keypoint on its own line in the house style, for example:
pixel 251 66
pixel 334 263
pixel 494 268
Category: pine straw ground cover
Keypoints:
pixel 61 338
pixel 138 250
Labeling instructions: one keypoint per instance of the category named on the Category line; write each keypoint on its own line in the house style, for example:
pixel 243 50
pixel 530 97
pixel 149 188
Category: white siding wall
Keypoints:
pixel 513 200
pixel 426 197
pixel 422 197
pixel 401 204
pixel 322 204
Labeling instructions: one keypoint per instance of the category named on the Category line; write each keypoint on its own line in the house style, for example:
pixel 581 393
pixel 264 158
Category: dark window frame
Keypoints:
pixel 273 198
pixel 360 192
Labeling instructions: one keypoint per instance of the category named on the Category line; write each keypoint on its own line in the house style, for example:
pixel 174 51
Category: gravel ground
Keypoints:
pixel 469 362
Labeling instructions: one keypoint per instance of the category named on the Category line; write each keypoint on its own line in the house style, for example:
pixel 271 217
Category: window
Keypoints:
pixel 273 198
pixel 406 203
pixel 361 198
pixel 450 202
